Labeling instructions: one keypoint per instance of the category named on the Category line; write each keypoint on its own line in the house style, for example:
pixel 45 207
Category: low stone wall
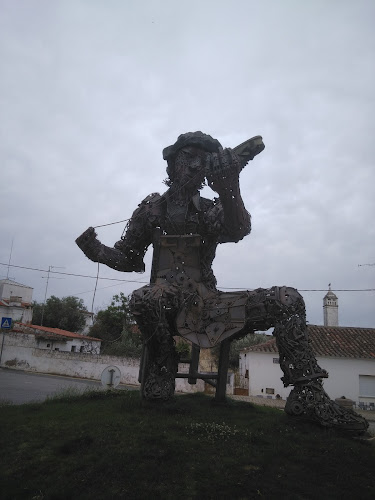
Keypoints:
pixel 19 352
pixel 81 365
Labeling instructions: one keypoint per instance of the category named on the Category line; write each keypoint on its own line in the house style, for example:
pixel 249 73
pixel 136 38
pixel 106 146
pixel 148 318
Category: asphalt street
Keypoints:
pixel 20 387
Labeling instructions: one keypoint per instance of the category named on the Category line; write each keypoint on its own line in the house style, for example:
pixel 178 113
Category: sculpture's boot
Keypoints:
pixel 298 362
pixel 310 401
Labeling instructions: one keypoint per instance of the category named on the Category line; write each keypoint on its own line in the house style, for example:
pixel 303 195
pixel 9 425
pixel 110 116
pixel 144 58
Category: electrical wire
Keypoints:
pixel 112 223
pixel 147 282
pixel 156 204
pixel 73 274
pixel 311 289
pixel 101 288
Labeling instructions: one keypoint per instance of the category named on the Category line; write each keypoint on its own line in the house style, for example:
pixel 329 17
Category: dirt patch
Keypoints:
pixel 11 362
pixel 15 363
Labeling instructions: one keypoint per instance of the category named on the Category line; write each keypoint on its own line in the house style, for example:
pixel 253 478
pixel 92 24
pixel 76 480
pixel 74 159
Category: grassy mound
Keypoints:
pixel 111 445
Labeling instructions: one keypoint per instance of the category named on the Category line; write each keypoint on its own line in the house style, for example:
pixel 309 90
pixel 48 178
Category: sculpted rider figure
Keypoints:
pixel 182 298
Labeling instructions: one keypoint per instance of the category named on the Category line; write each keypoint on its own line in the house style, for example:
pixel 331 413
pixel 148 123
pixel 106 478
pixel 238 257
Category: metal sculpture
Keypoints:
pixel 182 298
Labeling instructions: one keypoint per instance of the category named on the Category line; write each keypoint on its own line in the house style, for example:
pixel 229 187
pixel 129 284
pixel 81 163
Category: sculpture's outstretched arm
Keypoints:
pixel 128 253
pixel 225 181
pixel 111 257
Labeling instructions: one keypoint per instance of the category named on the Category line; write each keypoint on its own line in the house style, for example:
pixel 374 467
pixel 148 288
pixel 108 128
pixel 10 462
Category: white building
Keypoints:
pixel 54 339
pixel 16 301
pixel 348 354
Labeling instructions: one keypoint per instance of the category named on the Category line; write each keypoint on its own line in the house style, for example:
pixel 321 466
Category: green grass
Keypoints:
pixel 110 445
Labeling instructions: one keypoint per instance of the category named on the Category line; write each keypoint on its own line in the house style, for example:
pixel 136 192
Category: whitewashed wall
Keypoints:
pixel 19 352
pixel 78 345
pixel 17 313
pixel 343 375
pixel 11 289
pixel 262 374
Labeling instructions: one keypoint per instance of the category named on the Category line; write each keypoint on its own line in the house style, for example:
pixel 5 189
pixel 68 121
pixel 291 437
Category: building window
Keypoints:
pixel 57 348
pixel 81 348
pixel 247 374
pixel 367 386
pixel 270 390
pixel 276 361
pixel 48 345
pixel 73 348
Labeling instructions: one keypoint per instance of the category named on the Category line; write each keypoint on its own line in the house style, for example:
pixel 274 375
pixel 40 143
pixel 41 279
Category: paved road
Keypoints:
pixel 23 387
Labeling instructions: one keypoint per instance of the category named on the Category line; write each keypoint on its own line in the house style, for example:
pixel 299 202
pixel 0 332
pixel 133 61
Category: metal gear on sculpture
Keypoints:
pixel 182 298
pixel 310 401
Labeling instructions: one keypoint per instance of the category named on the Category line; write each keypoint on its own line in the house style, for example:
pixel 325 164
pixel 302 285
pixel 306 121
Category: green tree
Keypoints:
pixel 117 329
pixel 65 313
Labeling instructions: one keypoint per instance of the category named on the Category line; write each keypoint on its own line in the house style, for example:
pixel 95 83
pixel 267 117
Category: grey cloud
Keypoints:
pixel 91 93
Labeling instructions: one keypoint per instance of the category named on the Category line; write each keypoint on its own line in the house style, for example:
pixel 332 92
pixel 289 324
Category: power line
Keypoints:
pixel 71 274
pixel 101 288
pixel 147 282
pixel 340 290
pixel 311 289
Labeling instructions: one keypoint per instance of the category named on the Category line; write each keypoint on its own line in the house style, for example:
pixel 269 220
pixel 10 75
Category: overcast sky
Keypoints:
pixel 92 91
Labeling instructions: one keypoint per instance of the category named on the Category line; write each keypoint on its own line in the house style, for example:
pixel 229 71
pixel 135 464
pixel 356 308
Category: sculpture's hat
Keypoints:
pixel 197 139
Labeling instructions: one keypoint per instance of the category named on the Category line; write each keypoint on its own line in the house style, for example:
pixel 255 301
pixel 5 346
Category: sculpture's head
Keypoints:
pixel 187 158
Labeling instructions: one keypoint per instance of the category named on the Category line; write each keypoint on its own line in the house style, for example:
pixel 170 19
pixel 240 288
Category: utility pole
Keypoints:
pixel 9 261
pixel 45 295
pixel 10 257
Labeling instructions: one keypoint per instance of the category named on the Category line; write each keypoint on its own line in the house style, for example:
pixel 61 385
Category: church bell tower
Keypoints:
pixel 330 308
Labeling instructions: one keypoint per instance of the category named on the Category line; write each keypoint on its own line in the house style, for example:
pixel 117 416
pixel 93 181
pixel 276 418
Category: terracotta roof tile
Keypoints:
pixel 53 331
pixel 333 341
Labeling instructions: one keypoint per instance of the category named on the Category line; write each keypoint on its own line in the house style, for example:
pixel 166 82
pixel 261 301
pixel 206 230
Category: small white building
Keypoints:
pixel 16 301
pixel 54 339
pixel 348 354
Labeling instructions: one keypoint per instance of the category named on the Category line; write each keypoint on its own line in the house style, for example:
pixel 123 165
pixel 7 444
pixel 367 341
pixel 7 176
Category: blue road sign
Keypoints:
pixel 6 322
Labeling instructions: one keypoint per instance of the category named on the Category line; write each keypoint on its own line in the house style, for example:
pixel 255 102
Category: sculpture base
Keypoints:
pixel 159 385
